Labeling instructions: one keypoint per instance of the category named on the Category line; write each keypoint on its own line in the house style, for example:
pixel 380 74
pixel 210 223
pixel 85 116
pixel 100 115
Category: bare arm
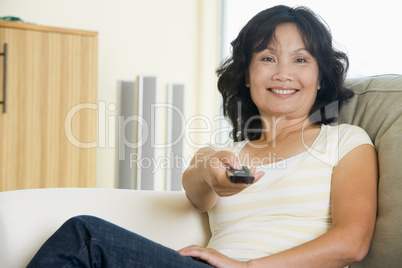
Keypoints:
pixel 198 191
pixel 354 205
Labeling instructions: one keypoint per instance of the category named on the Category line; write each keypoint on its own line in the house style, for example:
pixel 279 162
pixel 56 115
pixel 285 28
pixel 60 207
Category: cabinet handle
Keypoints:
pixel 4 54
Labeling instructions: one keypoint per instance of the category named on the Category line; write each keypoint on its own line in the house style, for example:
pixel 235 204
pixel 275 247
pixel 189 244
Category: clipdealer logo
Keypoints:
pixel 116 126
pixel 112 126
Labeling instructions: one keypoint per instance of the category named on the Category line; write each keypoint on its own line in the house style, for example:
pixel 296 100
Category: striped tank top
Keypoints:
pixel 289 206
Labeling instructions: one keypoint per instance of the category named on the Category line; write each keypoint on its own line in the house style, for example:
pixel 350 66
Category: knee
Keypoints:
pixel 82 227
pixel 86 221
pixel 81 222
pixel 81 219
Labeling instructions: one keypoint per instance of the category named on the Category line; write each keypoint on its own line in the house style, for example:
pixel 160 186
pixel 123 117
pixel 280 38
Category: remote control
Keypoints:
pixel 240 175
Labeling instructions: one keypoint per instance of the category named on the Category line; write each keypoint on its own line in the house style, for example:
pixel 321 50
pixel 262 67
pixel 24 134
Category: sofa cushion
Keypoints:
pixel 29 217
pixel 377 108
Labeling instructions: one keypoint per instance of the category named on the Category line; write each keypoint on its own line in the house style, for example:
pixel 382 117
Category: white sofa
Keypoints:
pixel 29 217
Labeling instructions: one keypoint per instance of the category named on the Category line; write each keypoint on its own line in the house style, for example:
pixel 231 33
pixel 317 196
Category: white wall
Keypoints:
pixel 367 30
pixel 175 40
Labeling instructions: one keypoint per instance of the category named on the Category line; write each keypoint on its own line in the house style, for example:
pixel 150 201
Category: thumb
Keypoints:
pixel 257 175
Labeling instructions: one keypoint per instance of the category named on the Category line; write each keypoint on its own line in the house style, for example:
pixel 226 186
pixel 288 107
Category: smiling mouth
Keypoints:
pixel 282 91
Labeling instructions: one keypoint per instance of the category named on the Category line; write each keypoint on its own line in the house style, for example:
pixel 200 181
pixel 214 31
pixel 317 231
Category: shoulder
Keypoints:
pixel 335 141
pixel 344 133
pixel 345 130
pixel 348 137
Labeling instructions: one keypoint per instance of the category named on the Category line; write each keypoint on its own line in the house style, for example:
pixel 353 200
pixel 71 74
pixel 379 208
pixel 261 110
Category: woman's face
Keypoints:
pixel 283 78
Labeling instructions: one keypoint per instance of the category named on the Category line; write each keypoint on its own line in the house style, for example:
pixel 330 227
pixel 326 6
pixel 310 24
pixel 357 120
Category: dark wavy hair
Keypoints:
pixel 255 37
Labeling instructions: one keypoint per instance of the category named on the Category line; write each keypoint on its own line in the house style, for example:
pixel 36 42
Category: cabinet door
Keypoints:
pixel 48 76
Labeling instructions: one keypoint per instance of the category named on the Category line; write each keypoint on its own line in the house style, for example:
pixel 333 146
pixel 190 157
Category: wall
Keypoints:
pixel 175 40
pixel 368 31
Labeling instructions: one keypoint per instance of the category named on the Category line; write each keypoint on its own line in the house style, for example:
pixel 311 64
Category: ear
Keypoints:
pixel 247 78
pixel 319 81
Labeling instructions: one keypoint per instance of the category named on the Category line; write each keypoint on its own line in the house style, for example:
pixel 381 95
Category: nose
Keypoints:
pixel 283 72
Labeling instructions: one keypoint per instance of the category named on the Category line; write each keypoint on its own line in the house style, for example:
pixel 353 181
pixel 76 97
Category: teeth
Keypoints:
pixel 283 92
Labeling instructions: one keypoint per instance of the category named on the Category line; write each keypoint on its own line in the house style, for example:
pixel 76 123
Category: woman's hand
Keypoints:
pixel 205 180
pixel 214 168
pixel 212 257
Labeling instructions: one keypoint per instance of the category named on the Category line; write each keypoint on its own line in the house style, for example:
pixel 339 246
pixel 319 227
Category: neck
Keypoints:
pixel 276 127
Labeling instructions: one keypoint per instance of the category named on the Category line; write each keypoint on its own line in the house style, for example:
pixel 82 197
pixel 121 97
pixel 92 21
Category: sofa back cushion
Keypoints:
pixel 377 108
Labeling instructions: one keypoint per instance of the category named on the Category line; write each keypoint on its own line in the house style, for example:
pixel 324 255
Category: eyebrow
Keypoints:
pixel 294 51
pixel 301 49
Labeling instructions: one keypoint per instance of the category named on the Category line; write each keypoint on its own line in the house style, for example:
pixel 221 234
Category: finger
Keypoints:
pixel 257 175
pixel 253 170
pixel 189 248
pixel 193 250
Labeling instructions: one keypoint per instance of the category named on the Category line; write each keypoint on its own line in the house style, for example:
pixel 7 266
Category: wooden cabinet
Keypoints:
pixel 50 98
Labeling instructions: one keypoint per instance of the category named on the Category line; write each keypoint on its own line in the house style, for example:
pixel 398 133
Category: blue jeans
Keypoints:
pixel 86 241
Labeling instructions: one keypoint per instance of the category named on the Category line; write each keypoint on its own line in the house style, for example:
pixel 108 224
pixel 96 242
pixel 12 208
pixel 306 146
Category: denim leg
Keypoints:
pixel 86 241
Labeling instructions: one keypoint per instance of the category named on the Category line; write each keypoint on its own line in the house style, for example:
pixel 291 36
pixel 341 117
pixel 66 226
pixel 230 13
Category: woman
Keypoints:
pixel 313 200
pixel 316 204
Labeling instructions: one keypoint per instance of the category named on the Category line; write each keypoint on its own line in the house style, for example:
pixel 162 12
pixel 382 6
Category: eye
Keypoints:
pixel 301 60
pixel 269 59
